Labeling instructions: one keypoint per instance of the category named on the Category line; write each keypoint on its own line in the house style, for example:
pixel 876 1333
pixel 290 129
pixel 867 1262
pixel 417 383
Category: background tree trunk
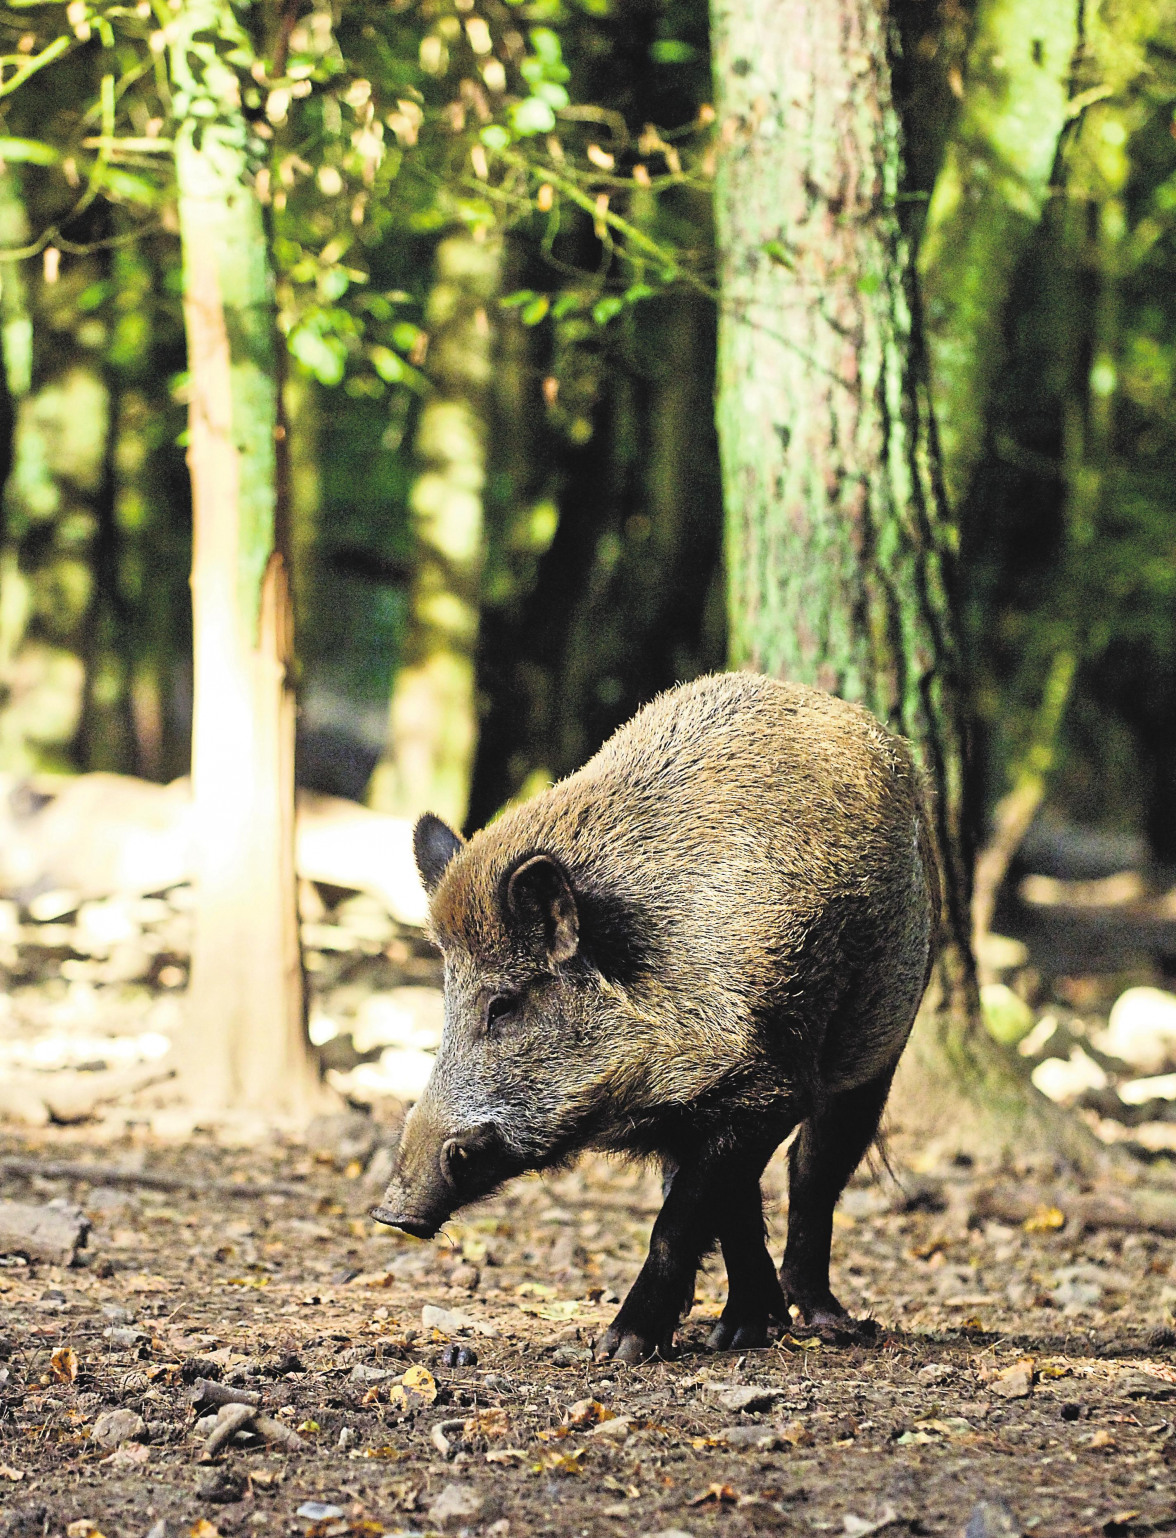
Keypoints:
pixel 245 1046
pixel 432 731
pixel 839 543
pixel 996 175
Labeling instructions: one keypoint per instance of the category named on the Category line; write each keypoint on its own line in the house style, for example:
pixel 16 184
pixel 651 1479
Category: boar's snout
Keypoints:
pixel 435 1175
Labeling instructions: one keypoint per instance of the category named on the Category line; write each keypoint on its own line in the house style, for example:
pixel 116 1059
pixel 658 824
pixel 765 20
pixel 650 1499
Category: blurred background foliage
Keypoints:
pixel 490 230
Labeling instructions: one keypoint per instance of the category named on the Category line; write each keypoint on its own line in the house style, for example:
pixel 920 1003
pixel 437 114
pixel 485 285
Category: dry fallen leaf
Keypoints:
pixel 488 1423
pixel 506 1455
pixel 7 1472
pixel 1045 1220
pixel 417 1387
pixel 798 1434
pixel 715 1495
pixel 561 1463
pixel 63 1364
pixel 204 1529
pixel 587 1412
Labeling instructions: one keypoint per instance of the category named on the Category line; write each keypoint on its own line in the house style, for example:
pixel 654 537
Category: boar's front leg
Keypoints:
pixel 688 1224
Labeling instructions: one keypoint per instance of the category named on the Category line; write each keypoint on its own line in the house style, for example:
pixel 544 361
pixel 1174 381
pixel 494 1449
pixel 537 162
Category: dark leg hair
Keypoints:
pixel 754 1295
pixel 829 1148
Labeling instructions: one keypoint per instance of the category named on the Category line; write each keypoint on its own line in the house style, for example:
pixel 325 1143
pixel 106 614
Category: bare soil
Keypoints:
pixel 1030 1365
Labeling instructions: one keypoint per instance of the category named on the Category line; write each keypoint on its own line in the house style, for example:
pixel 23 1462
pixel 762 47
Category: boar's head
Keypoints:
pixel 528 1061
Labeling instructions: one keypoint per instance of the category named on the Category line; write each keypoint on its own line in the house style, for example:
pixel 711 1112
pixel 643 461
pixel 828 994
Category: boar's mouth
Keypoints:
pixel 420 1228
pixel 431 1182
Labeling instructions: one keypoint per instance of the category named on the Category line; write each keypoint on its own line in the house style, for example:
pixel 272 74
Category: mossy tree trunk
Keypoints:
pixel 996 176
pixel 839 542
pixel 245 1047
pixel 432 731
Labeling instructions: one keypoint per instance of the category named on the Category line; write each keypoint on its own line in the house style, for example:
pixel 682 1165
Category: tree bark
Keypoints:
pixel 988 199
pixel 245 1045
pixel 432 731
pixel 839 542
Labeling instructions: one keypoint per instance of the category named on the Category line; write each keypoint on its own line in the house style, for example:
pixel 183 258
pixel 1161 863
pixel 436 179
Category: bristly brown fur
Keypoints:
pixel 720 927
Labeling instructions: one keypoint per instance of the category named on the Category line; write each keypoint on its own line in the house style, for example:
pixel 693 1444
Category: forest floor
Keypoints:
pixel 1023 1379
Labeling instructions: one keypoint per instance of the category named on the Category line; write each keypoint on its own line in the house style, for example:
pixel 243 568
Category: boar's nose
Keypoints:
pixel 420 1228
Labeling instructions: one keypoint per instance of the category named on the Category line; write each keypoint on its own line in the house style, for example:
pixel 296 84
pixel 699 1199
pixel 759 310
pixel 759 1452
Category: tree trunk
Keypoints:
pixel 839 544
pixel 432 731
pixel 245 1045
pixel 988 199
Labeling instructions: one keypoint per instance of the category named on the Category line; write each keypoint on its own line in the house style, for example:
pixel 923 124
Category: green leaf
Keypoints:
pixel 668 50
pixel 568 302
pixel 554 95
pixel 519 297
pixel 31 151
pixel 638 291
pixel 495 137
pixel 325 357
pixel 532 116
pixel 779 253
pixel 869 284
pixel 534 312
pixel 604 309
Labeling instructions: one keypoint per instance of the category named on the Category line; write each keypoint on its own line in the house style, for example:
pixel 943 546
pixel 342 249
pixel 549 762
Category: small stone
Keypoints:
pixel 452 1320
pixel 114 1427
pixel 1071 1410
pixel 748 1397
pixel 457 1505
pixel 125 1336
pixel 1015 1382
pixel 992 1519
pixel 320 1511
pixel 364 1372
pixel 797 1434
pixel 618 1426
pixel 934 1372
pixel 223 1486
pixel 347 1439
pixel 1141 1385
pixel 115 1313
pixel 465 1275
pixel 569 1356
pixel 199 1367
pixel 761 1438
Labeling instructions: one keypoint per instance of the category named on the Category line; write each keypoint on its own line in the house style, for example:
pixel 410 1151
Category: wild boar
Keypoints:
pixel 718 929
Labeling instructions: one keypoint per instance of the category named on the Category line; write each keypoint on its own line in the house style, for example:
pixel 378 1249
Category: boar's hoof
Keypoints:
pixel 738 1335
pixel 621 1344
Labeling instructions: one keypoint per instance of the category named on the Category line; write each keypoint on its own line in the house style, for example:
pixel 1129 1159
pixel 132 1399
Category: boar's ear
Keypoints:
pixel 434 844
pixel 539 899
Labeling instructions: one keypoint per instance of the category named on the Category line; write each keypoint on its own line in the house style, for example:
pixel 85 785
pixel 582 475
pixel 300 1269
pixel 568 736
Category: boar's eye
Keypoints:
pixel 500 1009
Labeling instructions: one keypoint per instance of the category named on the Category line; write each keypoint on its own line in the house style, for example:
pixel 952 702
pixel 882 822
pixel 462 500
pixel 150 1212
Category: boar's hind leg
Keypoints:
pixel 825 1154
pixel 686 1228
pixel 754 1294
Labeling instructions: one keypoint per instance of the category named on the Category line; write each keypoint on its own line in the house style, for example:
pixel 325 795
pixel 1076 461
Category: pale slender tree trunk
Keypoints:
pixel 988 199
pixel 839 543
pixel 432 732
pixel 245 1046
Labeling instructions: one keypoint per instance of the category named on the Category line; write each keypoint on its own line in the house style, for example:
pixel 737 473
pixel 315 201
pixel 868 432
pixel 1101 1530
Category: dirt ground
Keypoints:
pixel 1024 1378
